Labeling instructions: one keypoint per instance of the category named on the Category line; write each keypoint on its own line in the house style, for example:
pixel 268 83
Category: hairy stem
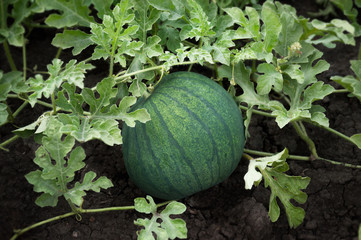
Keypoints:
pixel 79 211
pixel 20 108
pixel 267 154
pixel 24 59
pixel 301 131
pixel 10 140
pixel 120 78
pixel 9 56
pixel 333 131
pixel 299 158
pixel 262 113
pixel 53 103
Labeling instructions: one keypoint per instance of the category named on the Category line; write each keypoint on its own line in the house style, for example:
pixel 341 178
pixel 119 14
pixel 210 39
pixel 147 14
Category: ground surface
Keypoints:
pixel 226 211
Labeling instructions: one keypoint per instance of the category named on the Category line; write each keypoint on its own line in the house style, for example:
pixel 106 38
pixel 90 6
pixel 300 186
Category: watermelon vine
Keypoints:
pixel 263 54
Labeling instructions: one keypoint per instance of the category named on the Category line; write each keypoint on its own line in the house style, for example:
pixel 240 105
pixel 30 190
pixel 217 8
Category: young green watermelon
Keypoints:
pixel 194 140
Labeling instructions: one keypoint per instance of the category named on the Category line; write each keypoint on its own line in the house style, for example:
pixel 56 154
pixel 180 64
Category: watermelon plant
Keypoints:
pixel 180 132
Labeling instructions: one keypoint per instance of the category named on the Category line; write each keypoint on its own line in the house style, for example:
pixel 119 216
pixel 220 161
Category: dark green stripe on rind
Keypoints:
pixel 171 152
pixel 138 148
pixel 185 108
pixel 195 83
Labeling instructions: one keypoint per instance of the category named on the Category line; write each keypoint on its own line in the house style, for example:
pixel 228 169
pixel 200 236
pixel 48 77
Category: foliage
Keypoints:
pixel 168 228
pixel 265 53
pixel 54 178
pixel 283 186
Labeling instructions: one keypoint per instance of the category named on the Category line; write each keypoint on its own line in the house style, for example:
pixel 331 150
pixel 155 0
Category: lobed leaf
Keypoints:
pixel 76 193
pixel 199 26
pixel 250 27
pixel 73 73
pixel 106 92
pixel 76 39
pixel 175 8
pixel 20 10
pixel 291 30
pixel 272 25
pixel 11 82
pixel 59 162
pixel 168 228
pixel 335 31
pixel 282 186
pixel 121 112
pixel 73 12
pixel 270 79
pixel 83 129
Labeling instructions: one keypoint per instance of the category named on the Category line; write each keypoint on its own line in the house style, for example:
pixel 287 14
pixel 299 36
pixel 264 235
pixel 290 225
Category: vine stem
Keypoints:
pixel 267 154
pixel 24 59
pixel 301 131
pixel 9 56
pixel 333 131
pixel 262 113
pixel 19 232
pixel 119 78
pixel 10 140
pixel 299 158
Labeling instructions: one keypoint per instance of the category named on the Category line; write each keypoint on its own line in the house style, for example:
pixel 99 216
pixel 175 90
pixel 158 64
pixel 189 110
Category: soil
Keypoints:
pixel 226 211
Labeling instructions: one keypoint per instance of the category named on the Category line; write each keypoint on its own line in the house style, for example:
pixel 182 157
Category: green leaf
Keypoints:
pixel 115 36
pixel 302 95
pixel 175 8
pixel 50 195
pixel 335 31
pixel 120 112
pixel 73 73
pixel 220 49
pixel 73 12
pixel 356 67
pixel 103 7
pixel 349 8
pixel 76 39
pixel 143 206
pixel 3 113
pixel 69 100
pixel 40 125
pixel 254 177
pixel 83 129
pixel 200 55
pixel 59 162
pixel 169 36
pixel 11 82
pixel 285 188
pixel 168 228
pixel 356 139
pixel 270 79
pixel 241 76
pixel 144 18
pixel 176 228
pixel 106 92
pixel 272 25
pixel 250 27
pixel 20 10
pixel 291 30
pixel 282 186
pixel 350 83
pixel 294 72
pixel 200 27
pixel 78 191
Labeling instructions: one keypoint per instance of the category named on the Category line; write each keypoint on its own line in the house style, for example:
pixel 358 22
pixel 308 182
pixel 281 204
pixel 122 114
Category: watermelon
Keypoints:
pixel 194 140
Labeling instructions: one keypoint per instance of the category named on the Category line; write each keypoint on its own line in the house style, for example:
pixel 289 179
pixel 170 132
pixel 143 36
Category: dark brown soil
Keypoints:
pixel 226 211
